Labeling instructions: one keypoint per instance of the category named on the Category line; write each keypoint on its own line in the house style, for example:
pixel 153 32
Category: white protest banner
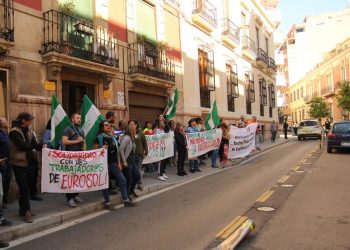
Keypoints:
pixel 200 143
pixel 242 141
pixel 160 147
pixel 74 171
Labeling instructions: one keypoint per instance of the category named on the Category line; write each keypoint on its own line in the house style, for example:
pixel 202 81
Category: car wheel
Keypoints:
pixel 329 150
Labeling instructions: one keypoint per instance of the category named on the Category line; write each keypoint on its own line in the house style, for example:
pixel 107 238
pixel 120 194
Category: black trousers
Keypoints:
pixel 285 134
pixel 34 165
pixel 181 152
pixel 24 178
pixel 273 136
pixel 6 173
pixel 132 176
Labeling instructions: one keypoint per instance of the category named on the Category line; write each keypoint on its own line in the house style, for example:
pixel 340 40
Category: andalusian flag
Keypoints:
pixel 90 120
pixel 172 105
pixel 59 121
pixel 213 118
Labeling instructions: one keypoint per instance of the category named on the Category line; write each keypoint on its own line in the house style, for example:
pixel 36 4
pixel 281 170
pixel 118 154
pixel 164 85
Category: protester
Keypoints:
pixel 160 117
pixel 181 143
pixel 22 149
pixel 34 164
pixel 223 151
pixel 327 126
pixel 285 129
pixel 141 152
pixel 257 133
pixel 171 125
pixel 110 118
pixel 193 128
pixel 201 127
pixel 73 140
pixel 273 129
pixel 148 130
pixel 6 169
pixel 241 123
pixel 162 164
pixel 106 139
pixel 119 132
pixel 47 133
pixel 127 157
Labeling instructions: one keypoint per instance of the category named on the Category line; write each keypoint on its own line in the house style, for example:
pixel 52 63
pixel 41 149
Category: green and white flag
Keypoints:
pixel 59 121
pixel 172 105
pixel 212 119
pixel 90 120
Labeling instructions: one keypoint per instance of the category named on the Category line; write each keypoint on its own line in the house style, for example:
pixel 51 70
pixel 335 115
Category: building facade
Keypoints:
pixel 129 55
pixel 322 81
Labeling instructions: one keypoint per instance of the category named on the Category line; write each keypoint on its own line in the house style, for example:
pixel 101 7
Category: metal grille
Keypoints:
pixel 262 56
pixel 205 8
pixel 7 20
pixel 249 107
pixel 231 30
pixel 250 88
pixel 206 69
pixel 263 92
pixel 149 59
pixel 205 98
pixel 78 38
pixel 262 110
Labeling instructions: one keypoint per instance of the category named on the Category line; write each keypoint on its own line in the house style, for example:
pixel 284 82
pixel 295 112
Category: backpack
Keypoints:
pixel 112 150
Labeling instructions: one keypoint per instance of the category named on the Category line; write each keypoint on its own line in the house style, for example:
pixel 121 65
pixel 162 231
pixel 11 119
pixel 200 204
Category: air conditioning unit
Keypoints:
pixel 104 50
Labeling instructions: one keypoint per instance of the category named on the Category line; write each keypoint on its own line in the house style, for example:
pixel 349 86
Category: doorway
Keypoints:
pixel 3 93
pixel 73 94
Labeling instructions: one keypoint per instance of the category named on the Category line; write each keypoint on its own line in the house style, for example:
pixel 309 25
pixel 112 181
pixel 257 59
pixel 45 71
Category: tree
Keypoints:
pixel 318 108
pixel 343 97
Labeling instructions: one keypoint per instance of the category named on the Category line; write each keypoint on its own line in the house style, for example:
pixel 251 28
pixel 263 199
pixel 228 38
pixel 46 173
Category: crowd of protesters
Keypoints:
pixel 126 146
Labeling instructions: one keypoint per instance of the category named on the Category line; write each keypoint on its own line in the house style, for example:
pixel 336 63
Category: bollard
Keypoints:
pixel 234 239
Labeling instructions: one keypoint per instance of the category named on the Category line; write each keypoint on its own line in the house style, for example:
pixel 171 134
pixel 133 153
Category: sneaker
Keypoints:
pixel 5 222
pixel 4 244
pixel 71 203
pixel 77 199
pixel 129 204
pixel 108 206
pixel 214 166
pixel 28 217
pixel 161 178
pixel 140 187
pixel 166 177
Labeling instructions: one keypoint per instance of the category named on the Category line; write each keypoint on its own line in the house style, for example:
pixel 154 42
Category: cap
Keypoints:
pixel 25 116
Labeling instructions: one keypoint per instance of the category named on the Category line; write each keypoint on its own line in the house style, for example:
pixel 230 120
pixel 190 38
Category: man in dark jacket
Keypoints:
pixel 285 129
pixel 22 151
pixel 6 169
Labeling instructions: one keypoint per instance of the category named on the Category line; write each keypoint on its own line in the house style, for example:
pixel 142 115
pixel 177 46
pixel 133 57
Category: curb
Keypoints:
pixel 40 224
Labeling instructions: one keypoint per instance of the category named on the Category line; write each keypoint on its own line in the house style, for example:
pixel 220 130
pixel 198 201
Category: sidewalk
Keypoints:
pixel 53 211
pixel 316 215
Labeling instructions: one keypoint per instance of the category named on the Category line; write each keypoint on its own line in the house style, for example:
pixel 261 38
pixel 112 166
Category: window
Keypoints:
pixel 298 94
pixel 257 38
pixel 232 86
pixel 343 73
pixel 250 91
pixel 263 95
pixel 267 45
pixel 102 8
pixel 342 127
pixel 299 30
pixel 318 88
pixel 302 92
pixel 272 96
pixel 249 108
pixel 206 75
pixel 329 82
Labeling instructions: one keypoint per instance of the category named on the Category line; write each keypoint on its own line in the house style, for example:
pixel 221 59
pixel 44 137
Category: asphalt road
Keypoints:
pixel 186 217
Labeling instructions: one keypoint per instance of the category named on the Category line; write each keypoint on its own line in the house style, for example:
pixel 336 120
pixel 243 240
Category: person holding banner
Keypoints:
pixel 181 146
pixel 73 140
pixel 105 138
pixel 192 128
pixel 223 151
pixel 127 157
pixel 241 123
pixel 160 126
pixel 257 143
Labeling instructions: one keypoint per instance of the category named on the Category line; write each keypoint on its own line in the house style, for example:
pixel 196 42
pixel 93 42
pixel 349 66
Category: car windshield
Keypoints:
pixel 342 127
pixel 308 123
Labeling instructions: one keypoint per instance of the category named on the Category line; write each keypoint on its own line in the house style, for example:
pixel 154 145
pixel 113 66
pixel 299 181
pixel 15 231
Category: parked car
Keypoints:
pixel 309 128
pixel 339 136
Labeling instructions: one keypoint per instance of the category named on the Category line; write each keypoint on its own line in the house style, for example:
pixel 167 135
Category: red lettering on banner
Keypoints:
pixel 64 180
pixel 75 180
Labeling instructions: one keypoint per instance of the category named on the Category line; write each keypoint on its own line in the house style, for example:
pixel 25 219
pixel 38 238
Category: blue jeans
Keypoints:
pixel 113 171
pixel 214 157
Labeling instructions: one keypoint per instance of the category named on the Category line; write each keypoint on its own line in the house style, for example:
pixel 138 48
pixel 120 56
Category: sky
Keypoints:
pixel 294 11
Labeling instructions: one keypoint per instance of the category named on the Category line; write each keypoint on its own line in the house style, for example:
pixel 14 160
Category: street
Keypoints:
pixel 186 217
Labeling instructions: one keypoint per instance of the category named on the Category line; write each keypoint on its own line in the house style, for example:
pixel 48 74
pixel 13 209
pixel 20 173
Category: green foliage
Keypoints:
pixel 67 7
pixel 318 108
pixel 343 96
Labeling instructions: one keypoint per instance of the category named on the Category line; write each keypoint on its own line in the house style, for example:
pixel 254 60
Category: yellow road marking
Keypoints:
pixel 265 196
pixel 236 223
pixel 296 168
pixel 283 179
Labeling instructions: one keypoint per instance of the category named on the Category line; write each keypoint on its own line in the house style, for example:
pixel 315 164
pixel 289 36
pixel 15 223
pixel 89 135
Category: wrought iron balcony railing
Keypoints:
pixel 231 30
pixel 78 38
pixel 7 20
pixel 327 91
pixel 262 56
pixel 148 59
pixel 272 63
pixel 206 9
pixel 249 45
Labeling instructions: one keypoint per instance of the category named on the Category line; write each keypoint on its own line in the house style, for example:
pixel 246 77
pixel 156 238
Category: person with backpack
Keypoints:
pixel 105 138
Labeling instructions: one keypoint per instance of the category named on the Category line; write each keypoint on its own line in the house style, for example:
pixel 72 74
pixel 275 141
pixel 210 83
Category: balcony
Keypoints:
pixel 262 58
pixel 307 99
pixel 230 34
pixel 7 21
pixel 204 15
pixel 71 41
pixel 328 91
pixel 248 48
pixel 150 64
pixel 272 65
